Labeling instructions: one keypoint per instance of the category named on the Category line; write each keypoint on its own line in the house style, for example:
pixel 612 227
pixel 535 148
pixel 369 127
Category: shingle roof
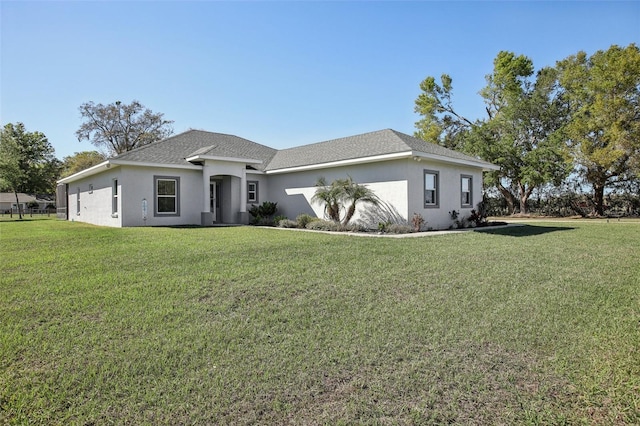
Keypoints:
pixel 360 146
pixel 174 149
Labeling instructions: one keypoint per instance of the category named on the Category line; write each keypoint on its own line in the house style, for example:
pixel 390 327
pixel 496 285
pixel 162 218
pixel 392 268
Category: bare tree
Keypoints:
pixel 119 127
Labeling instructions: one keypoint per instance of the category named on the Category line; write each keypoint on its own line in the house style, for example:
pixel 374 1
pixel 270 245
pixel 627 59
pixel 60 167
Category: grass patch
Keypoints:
pixel 531 325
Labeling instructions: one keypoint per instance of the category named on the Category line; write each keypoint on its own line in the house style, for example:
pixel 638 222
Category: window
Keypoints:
pixel 114 198
pixel 167 196
pixel 252 191
pixel 466 185
pixel 78 202
pixel 431 183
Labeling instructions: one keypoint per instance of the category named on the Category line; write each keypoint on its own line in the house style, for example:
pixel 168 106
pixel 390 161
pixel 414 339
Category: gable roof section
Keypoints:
pixel 373 146
pixel 192 143
pixel 198 145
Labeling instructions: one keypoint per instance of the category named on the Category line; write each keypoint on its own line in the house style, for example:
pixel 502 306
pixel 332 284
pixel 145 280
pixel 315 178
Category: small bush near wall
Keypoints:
pixel 304 219
pixel 328 225
pixel 417 221
pixel 322 225
pixel 396 228
pixel 263 214
pixel 287 223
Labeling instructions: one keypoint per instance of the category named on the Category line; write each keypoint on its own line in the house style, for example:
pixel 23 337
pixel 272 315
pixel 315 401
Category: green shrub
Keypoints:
pixel 304 219
pixel 322 225
pixel 396 228
pixel 286 223
pixel 352 227
pixel 268 208
pixel 262 214
pixel 382 226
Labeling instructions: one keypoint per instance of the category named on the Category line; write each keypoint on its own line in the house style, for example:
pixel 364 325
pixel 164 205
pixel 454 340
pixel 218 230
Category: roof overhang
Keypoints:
pixel 93 170
pixel 108 164
pixel 387 157
pixel 485 166
pixel 349 162
pixel 200 158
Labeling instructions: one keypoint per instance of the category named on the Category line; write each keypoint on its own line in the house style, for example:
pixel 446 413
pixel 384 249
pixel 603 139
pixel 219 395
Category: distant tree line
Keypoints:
pixel 27 161
pixel 575 125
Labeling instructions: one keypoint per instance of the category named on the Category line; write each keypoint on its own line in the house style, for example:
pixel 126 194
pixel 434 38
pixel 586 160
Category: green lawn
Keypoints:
pixel 532 325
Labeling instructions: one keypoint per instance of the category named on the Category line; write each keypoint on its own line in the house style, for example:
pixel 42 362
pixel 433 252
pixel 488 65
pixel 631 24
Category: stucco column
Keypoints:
pixel 243 191
pixel 206 217
pixel 206 178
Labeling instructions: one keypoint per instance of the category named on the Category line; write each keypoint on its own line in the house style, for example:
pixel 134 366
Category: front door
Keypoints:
pixel 214 200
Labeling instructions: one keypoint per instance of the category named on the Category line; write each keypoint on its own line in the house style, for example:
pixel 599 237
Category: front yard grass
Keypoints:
pixel 532 325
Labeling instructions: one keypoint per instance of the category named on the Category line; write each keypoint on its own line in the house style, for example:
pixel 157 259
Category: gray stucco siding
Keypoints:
pixel 379 176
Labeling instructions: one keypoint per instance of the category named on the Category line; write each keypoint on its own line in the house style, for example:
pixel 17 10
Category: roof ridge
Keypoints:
pixel 333 140
pixel 145 146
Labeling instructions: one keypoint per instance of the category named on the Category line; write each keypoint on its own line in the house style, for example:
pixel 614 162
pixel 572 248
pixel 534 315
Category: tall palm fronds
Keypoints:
pixel 339 194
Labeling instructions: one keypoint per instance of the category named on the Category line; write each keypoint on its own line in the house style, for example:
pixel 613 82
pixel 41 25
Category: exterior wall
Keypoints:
pixel 263 186
pixel 134 185
pixel 293 191
pixel 95 199
pixel 137 184
pixel 449 191
pixel 399 183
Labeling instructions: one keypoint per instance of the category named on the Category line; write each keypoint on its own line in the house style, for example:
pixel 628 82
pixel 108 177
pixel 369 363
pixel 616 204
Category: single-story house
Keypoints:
pixel 203 178
pixel 8 201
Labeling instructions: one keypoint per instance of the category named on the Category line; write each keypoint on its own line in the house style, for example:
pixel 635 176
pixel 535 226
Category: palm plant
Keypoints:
pixel 339 194
pixel 331 196
pixel 355 193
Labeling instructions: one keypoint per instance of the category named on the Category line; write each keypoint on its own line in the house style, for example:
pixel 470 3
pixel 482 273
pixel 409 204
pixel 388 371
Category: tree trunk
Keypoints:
pixel 598 198
pixel 525 193
pixel 350 213
pixel 18 205
pixel 508 196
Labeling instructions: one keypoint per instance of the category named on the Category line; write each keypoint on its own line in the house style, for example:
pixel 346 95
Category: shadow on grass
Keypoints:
pixel 525 230
pixel 217 225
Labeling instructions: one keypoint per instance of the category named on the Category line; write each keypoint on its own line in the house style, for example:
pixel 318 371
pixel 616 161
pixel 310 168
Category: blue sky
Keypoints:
pixel 278 73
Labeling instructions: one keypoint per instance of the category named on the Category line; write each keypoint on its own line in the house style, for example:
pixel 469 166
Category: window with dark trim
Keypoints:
pixel 166 196
pixel 78 202
pixel 431 191
pixel 252 191
pixel 466 188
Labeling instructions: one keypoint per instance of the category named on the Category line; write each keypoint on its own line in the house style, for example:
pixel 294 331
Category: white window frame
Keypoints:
pixel 255 198
pixel 78 202
pixel 156 196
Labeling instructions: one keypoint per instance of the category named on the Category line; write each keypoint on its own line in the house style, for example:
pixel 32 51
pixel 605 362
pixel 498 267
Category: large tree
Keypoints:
pixel 27 162
pixel 118 127
pixel 520 132
pixel 604 131
pixel 79 161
